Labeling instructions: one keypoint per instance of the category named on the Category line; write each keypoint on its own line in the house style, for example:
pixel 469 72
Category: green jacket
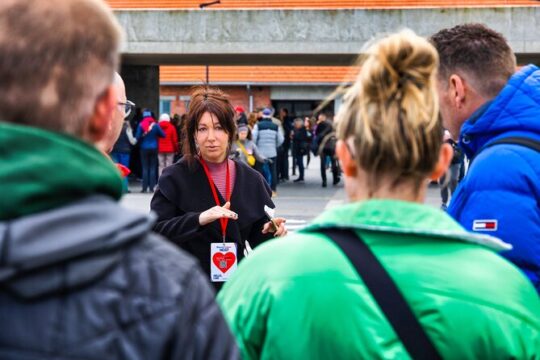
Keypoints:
pixel 300 298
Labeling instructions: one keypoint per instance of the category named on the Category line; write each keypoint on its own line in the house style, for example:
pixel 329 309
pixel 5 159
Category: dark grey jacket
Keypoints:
pixel 89 281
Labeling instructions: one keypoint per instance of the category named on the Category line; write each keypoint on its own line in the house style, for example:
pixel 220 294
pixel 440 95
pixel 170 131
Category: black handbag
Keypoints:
pixel 385 292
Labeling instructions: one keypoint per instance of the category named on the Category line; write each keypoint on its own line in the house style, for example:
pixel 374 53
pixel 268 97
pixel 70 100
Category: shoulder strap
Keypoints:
pixel 516 140
pixel 512 140
pixel 242 148
pixel 386 294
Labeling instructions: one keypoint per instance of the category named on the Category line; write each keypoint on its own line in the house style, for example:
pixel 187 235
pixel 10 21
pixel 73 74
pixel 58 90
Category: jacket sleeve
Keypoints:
pixel 129 132
pixel 172 222
pixel 255 133
pixel 202 332
pixel 280 138
pixel 509 199
pixel 256 237
pixel 158 130
pixel 139 133
pixel 257 154
pixel 323 129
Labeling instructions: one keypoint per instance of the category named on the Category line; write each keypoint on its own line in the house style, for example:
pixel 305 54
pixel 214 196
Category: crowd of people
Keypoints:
pixel 263 142
pixel 383 276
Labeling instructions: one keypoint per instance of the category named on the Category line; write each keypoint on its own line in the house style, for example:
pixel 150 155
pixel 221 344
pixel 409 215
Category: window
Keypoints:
pixel 186 100
pixel 165 104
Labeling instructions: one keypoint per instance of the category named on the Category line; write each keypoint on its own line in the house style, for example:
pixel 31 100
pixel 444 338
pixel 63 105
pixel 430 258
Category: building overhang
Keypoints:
pixel 301 37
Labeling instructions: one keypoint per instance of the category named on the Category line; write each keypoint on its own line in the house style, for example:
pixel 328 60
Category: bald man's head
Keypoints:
pixel 117 118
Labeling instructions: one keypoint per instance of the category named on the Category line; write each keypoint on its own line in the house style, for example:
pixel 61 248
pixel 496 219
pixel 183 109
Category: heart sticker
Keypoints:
pixel 224 261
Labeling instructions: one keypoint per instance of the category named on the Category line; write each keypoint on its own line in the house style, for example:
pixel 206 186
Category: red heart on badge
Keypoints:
pixel 224 261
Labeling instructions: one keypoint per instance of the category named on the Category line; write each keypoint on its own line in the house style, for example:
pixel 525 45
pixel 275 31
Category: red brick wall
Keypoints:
pixel 238 95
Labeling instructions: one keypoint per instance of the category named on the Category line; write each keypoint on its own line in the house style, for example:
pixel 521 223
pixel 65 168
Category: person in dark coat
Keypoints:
pixel 300 146
pixel 81 277
pixel 323 131
pixel 191 212
pixel 283 151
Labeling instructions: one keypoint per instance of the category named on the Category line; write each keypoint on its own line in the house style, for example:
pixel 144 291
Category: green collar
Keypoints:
pixel 41 170
pixel 401 217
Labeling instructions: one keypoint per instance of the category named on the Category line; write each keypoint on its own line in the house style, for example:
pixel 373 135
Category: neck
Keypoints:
pixel 220 160
pixel 358 190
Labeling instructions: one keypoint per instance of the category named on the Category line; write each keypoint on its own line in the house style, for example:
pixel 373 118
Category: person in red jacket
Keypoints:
pixel 167 146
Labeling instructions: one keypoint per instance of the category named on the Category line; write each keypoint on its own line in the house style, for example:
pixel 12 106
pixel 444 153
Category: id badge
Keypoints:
pixel 223 261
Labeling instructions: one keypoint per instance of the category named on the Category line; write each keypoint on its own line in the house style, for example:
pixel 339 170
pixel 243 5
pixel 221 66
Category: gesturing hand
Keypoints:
pixel 217 212
pixel 269 227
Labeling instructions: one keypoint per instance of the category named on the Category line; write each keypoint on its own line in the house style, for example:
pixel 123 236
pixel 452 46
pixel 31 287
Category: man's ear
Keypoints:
pixel 458 90
pixel 348 165
pixel 445 157
pixel 101 120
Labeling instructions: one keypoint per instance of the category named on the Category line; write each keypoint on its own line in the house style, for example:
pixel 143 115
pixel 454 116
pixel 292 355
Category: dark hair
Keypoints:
pixel 214 101
pixel 482 53
pixel 175 120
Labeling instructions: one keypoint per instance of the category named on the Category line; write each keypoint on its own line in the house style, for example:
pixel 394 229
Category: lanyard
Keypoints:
pixel 223 221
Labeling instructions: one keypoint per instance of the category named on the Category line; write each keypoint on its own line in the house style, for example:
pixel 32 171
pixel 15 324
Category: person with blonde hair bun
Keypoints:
pixel 385 276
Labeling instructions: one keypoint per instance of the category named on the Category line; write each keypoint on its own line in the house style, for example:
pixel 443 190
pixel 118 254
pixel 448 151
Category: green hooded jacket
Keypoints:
pixel 299 297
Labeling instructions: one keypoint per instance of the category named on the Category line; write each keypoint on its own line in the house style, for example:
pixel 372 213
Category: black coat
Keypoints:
pixel 184 193
pixel 324 128
pixel 300 141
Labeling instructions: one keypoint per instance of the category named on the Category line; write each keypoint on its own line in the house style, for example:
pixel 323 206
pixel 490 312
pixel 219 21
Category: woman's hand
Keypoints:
pixel 269 227
pixel 217 212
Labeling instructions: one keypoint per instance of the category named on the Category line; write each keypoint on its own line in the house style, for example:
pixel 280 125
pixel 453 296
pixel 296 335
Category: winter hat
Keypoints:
pixel 239 109
pixel 242 127
pixel 147 114
pixel 164 117
pixel 267 112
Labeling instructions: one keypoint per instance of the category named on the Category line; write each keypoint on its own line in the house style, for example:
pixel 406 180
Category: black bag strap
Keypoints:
pixel 385 293
pixel 517 140
pixel 511 140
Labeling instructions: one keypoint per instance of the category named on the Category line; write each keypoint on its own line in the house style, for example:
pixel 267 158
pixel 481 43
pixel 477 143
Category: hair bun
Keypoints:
pixel 391 112
pixel 396 63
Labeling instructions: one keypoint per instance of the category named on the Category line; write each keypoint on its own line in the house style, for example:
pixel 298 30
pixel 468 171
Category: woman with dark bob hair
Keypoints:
pixel 207 204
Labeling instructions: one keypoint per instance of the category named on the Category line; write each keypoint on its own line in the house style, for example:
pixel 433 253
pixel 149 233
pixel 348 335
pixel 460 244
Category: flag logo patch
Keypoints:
pixel 485 225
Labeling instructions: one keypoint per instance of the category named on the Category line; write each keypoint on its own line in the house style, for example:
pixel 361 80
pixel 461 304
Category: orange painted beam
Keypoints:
pixel 261 74
pixel 258 74
pixel 315 4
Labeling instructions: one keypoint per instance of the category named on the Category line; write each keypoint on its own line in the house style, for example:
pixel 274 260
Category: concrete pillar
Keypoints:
pixel 142 85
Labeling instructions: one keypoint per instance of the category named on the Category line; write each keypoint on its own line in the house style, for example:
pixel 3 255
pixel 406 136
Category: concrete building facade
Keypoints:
pixel 284 34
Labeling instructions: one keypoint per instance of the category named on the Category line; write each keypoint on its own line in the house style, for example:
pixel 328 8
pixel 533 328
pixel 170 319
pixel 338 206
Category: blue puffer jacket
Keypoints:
pixel 502 187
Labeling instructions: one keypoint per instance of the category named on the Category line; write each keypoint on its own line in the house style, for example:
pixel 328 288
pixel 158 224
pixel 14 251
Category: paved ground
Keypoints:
pixel 299 203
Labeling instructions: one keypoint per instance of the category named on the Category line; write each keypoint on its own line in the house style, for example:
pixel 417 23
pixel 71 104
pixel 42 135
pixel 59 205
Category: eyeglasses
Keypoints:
pixel 128 107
